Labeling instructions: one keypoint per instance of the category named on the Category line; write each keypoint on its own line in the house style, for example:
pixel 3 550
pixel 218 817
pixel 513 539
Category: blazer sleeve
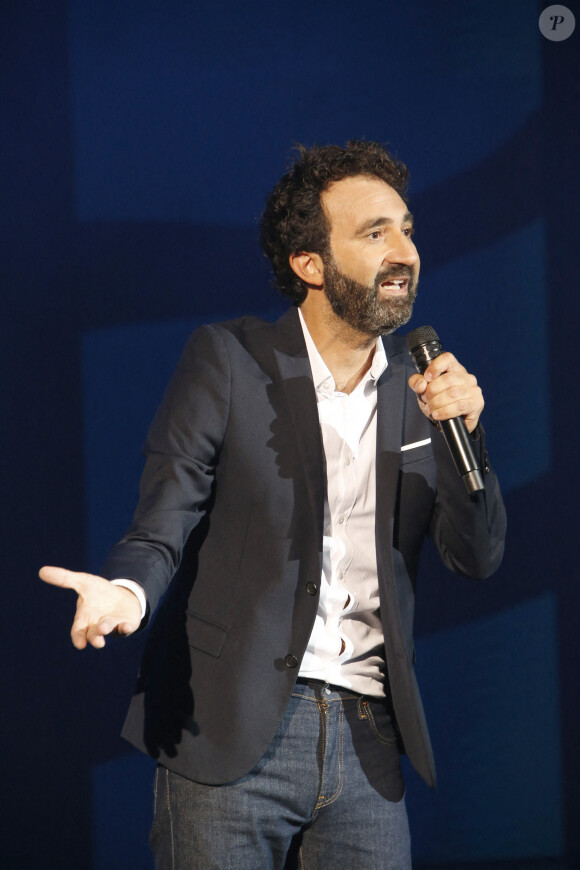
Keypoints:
pixel 468 530
pixel 181 450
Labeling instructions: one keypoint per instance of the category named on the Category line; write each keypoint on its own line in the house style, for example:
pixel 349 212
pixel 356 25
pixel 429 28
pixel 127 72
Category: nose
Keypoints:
pixel 402 250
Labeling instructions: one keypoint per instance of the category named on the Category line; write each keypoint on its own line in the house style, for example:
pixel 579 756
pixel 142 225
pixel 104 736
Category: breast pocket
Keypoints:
pixel 416 451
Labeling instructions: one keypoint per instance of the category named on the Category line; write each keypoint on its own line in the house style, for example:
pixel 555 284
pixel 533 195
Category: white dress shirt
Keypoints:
pixel 346 645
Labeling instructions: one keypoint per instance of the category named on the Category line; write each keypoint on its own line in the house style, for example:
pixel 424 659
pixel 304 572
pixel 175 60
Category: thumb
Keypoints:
pixel 61 577
pixel 418 384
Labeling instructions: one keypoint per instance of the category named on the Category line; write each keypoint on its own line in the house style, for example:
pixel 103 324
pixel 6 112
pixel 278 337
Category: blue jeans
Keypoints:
pixel 328 794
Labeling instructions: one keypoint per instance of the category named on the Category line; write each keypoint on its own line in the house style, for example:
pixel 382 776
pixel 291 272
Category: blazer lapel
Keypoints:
pixel 391 398
pixel 293 364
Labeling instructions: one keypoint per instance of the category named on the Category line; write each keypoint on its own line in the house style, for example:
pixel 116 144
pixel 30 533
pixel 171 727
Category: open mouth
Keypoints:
pixel 395 286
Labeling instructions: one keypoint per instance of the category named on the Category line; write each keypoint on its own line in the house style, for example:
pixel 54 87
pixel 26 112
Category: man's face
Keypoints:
pixel 372 274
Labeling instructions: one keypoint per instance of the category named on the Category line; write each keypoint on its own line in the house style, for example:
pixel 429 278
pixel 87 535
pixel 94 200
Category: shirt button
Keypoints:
pixel 290 661
pixel 311 588
pixel 341 520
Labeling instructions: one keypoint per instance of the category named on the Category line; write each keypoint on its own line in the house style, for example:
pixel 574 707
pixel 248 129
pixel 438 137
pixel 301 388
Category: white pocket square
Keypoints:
pixel 416 444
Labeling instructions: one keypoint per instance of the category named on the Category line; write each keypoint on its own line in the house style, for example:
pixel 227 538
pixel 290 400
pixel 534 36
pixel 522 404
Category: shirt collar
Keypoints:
pixel 320 371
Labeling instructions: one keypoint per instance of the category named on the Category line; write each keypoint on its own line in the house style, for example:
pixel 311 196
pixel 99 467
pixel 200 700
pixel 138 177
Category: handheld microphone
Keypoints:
pixel 424 345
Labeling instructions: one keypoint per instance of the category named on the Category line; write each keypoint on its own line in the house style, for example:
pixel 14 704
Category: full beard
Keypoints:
pixel 361 306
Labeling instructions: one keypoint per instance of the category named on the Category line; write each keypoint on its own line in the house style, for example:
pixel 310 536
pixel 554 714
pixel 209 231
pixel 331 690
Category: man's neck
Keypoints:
pixel 347 352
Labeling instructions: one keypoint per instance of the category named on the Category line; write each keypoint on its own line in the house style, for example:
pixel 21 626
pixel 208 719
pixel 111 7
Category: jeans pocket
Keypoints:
pixel 379 719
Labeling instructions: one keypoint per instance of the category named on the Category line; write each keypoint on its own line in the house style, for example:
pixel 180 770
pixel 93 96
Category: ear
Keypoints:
pixel 309 268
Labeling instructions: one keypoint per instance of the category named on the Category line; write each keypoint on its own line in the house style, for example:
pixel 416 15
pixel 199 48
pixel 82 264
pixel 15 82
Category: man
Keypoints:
pixel 294 465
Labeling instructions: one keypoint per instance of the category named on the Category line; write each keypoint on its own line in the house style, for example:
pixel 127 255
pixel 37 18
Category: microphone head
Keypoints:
pixel 421 336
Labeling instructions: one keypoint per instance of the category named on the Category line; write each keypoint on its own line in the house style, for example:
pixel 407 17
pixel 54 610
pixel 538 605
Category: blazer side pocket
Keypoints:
pixel 208 637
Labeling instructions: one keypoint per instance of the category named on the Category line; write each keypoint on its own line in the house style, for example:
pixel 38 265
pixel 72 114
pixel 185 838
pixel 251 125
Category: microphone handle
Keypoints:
pixel 454 431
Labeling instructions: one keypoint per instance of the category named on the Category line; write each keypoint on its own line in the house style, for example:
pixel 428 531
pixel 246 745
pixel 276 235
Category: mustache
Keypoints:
pixel 391 273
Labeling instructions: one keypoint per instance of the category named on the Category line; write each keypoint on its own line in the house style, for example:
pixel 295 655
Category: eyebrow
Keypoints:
pixel 382 221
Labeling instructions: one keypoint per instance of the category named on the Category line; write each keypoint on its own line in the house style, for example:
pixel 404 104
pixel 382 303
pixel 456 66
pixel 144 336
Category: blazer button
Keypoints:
pixel 311 588
pixel 290 661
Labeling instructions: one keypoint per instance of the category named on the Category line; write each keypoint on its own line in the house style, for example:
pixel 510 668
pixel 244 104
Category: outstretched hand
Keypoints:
pixel 102 608
pixel 446 390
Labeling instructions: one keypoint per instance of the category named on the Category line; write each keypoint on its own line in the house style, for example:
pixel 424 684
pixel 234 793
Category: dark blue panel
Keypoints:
pixel 183 112
pixel 491 694
pixel 490 309
pixel 123 810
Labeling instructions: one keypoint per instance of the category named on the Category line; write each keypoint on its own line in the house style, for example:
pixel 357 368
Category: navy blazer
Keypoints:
pixel 233 489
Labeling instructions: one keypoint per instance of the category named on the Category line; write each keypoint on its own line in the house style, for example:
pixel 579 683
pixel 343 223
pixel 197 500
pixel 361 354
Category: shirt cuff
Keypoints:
pixel 137 590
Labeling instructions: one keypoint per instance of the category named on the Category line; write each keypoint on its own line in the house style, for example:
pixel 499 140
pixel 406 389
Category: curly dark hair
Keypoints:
pixel 294 220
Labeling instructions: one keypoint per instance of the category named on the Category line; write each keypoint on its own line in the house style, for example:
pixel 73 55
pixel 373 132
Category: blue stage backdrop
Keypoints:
pixel 140 141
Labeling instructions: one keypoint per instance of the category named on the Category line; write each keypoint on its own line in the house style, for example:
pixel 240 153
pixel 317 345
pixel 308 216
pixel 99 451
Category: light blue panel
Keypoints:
pixel 186 111
pixel 490 309
pixel 491 696
pixel 122 813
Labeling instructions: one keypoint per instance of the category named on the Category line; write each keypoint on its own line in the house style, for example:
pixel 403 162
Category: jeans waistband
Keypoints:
pixel 322 686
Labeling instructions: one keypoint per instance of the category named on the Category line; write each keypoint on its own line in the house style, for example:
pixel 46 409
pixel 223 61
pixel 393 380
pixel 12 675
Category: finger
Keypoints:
pixel 93 633
pixel 83 633
pixel 109 625
pixel 418 384
pixel 469 397
pixel 126 628
pixel 445 362
pixel 458 408
pixel 94 639
pixel 457 384
pixel 469 409
pixel 83 626
pixel 466 391
pixel 97 632
pixel 78 635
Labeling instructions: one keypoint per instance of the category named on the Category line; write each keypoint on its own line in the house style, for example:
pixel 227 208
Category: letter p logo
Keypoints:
pixel 557 23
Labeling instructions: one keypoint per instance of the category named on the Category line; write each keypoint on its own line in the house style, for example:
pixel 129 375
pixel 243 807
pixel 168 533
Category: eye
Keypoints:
pixel 408 231
pixel 376 234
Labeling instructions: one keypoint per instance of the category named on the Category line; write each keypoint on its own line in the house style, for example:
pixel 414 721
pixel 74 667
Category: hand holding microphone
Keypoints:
pixel 449 396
